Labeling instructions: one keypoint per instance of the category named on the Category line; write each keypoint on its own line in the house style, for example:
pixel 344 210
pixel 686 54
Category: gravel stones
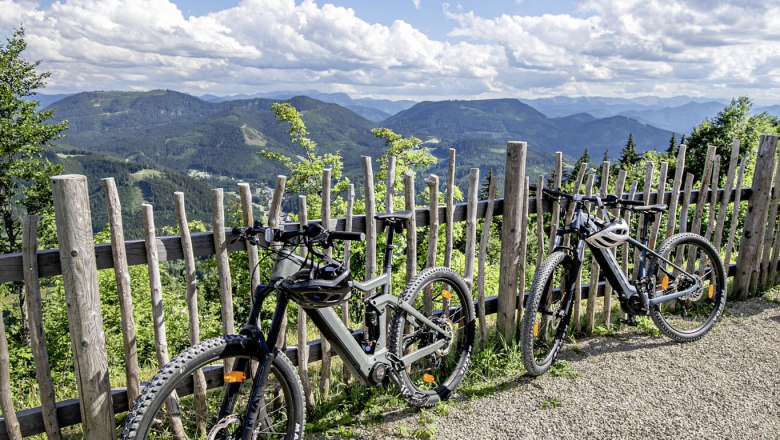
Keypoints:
pixel 634 386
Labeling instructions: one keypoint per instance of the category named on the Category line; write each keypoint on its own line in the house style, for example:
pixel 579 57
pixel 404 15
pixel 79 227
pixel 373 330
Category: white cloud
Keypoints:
pixel 606 47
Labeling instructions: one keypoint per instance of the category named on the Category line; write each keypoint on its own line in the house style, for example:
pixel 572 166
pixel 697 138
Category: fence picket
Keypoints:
pixel 724 204
pixel 122 276
pixel 223 263
pixel 411 226
pixel 735 213
pixel 37 335
pixel 199 380
pixel 303 339
pixel 483 244
pixel 245 193
pixel 85 321
pixel 671 224
pixel 471 227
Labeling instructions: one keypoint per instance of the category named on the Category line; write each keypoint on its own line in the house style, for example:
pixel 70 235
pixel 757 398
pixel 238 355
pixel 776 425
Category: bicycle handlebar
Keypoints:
pixel 311 231
pixel 610 199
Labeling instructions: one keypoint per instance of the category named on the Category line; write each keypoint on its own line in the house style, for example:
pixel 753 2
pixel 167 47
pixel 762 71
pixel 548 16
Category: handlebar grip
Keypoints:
pixel 629 202
pixel 347 236
pixel 555 193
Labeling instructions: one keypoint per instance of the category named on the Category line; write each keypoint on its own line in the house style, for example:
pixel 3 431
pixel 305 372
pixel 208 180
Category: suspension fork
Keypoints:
pixel 254 407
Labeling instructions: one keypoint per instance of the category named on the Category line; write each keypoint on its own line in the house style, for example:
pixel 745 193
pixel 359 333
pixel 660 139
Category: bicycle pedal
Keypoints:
pixel 630 321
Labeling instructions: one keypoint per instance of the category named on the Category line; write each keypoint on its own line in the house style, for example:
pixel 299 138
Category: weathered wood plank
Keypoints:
pixel 169 248
pixel 223 263
pixel 37 334
pixel 471 227
pixel 510 237
pixel 411 226
pixel 85 322
pixel 748 260
pixel 122 276
pixel 483 244
pixel 671 224
pixel 245 194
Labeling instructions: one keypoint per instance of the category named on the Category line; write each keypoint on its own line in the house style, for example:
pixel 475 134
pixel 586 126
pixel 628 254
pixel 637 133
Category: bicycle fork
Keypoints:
pixel 255 411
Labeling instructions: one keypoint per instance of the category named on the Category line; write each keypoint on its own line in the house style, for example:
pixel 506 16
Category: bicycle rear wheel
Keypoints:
pixel 167 407
pixel 692 316
pixel 547 313
pixel 435 363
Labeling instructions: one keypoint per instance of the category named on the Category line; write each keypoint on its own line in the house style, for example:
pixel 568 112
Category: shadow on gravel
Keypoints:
pixel 600 345
pixel 746 308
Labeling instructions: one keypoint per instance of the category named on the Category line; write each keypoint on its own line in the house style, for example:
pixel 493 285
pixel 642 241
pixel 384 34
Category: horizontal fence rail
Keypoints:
pixel 169 248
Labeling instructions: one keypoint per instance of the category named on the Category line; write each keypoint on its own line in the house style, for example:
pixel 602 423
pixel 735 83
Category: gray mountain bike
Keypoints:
pixel 681 285
pixel 252 389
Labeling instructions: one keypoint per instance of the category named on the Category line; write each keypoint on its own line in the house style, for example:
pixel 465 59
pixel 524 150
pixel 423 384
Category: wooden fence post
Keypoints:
pixel 303 346
pixel 522 253
pixel 85 322
pixel 735 213
pixel 749 258
pixel 122 275
pixel 223 263
pixel 199 380
pixel 370 196
pixel 471 227
pixel 324 343
pixel 411 226
pixel 769 233
pixel 676 185
pixel 483 244
pixel 450 212
pixel 6 403
pixel 245 193
pixel 510 235
pixel 37 335
pixel 724 204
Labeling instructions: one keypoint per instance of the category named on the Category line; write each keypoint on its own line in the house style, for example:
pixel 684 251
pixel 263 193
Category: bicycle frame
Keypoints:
pixel 584 224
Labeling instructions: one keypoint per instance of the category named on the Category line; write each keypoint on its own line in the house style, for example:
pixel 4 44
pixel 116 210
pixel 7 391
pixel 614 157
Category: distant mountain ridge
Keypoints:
pixel 510 119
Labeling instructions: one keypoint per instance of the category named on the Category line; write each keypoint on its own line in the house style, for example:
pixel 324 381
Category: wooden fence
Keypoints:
pixel 78 260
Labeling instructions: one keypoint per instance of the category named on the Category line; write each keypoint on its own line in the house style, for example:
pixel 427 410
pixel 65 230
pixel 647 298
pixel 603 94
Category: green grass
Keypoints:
pixel 563 369
pixel 647 326
pixel 550 403
pixel 772 295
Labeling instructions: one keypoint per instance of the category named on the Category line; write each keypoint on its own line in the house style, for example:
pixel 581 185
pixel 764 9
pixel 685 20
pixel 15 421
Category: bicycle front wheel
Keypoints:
pixel 169 407
pixel 435 360
pixel 690 317
pixel 547 313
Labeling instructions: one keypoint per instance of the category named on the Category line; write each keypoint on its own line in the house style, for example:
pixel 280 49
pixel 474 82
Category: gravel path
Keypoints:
pixel 633 386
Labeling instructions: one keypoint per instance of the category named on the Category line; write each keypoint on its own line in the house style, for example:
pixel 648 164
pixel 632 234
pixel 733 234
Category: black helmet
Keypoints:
pixel 326 286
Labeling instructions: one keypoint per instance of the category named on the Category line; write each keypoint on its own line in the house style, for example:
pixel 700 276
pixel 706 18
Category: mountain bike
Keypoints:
pixel 251 387
pixel 681 285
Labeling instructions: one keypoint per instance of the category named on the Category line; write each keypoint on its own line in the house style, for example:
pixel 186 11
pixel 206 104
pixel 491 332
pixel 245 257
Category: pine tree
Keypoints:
pixel 673 148
pixel 584 159
pixel 629 156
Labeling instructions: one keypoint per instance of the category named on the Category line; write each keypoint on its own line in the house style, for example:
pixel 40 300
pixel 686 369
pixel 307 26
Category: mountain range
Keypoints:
pixel 212 141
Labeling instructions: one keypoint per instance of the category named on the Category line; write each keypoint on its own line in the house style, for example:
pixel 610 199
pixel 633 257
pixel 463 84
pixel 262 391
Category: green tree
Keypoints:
pixel 24 135
pixel 673 148
pixel 585 158
pixel 733 122
pixel 629 157
pixel 306 173
pixel 409 154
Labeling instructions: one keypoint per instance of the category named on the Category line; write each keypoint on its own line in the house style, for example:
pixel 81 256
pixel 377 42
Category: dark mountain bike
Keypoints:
pixel 681 285
pixel 252 389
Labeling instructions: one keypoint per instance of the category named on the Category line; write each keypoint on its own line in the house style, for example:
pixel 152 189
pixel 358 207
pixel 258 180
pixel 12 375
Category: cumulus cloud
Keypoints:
pixel 605 47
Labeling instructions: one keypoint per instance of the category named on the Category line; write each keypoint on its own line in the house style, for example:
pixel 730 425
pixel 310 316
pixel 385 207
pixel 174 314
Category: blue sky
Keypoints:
pixel 407 49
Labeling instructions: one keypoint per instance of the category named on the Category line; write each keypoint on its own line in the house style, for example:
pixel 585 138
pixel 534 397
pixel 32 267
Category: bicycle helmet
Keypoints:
pixel 324 287
pixel 612 235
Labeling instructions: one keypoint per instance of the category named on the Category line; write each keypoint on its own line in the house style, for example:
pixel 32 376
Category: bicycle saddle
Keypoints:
pixel 395 215
pixel 648 208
